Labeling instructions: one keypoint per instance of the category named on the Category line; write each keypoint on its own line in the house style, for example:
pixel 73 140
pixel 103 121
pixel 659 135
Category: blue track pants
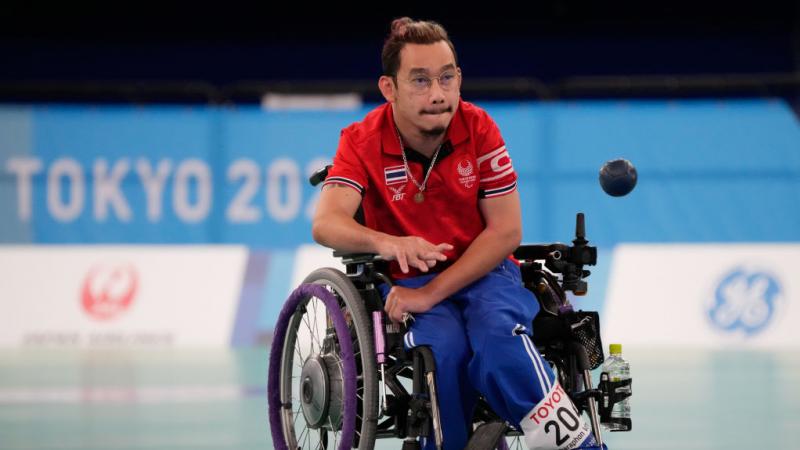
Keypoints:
pixel 479 338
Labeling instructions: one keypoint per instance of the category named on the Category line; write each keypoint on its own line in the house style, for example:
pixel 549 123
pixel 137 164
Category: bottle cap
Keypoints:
pixel 615 349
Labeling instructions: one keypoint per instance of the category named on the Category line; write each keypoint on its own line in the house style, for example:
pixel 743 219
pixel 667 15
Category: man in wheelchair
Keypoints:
pixel 437 188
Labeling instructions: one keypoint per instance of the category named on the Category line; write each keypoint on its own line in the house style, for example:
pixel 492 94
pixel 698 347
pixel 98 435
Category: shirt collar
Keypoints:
pixel 456 132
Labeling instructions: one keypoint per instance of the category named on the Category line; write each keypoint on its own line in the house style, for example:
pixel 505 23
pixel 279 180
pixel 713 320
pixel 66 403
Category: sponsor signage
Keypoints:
pixel 704 295
pixel 98 296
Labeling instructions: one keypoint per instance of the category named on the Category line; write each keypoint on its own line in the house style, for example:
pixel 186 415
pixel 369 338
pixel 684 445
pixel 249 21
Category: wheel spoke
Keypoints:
pixel 323 439
pixel 296 415
pixel 335 434
pixel 306 320
pixel 298 351
pixel 315 313
pixel 335 439
pixel 316 332
pixel 303 433
pixel 311 329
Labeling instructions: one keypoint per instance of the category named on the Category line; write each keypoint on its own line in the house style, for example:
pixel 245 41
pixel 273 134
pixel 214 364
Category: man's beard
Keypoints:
pixel 433 132
pixel 437 131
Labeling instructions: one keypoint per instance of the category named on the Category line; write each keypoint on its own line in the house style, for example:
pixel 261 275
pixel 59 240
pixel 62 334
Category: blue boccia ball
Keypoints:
pixel 618 177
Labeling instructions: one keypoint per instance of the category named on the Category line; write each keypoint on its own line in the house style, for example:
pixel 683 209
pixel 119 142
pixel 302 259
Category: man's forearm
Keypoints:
pixel 345 234
pixel 483 255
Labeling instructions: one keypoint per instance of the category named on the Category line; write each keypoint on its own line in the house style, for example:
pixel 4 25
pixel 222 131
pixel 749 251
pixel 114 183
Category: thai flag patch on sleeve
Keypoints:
pixel 395 175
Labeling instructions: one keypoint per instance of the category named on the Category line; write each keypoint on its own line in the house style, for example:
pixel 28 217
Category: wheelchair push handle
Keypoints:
pixel 319 175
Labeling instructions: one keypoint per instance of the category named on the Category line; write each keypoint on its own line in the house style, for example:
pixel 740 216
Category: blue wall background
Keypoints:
pixel 708 171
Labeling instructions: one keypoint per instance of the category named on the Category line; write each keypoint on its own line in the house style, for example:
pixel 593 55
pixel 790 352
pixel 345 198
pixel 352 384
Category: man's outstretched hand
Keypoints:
pixel 412 251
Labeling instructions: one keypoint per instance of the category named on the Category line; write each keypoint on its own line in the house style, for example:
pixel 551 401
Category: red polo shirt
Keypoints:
pixel 473 163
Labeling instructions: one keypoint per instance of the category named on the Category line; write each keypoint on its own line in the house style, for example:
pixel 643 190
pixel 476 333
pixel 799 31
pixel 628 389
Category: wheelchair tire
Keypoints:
pixel 319 396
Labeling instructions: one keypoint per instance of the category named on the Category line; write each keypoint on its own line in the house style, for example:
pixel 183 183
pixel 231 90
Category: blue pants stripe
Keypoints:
pixel 537 365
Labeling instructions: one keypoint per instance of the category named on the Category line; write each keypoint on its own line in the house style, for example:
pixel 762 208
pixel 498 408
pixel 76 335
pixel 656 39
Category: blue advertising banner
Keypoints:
pixel 708 171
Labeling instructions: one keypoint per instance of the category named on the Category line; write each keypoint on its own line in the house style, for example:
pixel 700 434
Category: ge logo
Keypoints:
pixel 745 300
pixel 109 290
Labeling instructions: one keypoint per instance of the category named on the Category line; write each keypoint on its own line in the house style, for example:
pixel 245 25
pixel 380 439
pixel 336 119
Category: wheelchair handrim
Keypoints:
pixel 280 416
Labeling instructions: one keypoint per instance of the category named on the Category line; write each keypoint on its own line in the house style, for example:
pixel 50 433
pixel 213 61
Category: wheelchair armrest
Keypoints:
pixel 577 254
pixel 539 251
pixel 357 258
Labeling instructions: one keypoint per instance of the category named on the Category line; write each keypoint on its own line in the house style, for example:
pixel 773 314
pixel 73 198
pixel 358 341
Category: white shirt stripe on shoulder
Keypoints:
pixel 491 154
pixel 497 177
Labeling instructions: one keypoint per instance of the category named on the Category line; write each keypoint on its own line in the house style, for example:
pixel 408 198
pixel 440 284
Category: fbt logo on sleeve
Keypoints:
pixel 745 301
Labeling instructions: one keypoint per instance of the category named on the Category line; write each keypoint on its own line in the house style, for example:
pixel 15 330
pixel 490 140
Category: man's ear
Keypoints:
pixel 388 88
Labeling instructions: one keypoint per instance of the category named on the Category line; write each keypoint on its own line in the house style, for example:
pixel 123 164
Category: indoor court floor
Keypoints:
pixel 216 399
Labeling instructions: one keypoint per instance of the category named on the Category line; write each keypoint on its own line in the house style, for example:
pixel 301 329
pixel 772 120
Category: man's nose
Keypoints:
pixel 436 93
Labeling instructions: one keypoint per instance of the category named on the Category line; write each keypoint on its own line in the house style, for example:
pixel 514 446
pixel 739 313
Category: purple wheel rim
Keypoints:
pixel 303 292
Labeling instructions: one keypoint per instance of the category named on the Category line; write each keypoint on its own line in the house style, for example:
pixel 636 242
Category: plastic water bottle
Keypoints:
pixel 618 369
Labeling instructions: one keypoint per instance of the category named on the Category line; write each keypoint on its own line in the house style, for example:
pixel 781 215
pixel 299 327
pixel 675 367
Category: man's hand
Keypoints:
pixel 412 251
pixel 334 227
pixel 403 300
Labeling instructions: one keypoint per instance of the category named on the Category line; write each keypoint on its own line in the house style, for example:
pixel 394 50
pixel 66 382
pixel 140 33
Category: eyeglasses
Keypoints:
pixel 421 83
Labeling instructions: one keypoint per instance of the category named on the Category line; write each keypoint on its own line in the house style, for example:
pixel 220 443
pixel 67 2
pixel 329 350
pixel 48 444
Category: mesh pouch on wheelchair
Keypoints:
pixel 586 329
pixel 558 320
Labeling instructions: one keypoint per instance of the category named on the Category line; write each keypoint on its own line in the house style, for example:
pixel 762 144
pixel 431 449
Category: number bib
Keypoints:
pixel 555 423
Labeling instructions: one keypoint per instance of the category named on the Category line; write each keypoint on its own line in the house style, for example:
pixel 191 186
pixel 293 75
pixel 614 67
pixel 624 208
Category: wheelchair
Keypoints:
pixel 340 377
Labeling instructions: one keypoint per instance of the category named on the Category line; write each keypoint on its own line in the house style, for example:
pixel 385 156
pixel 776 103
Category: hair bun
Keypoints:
pixel 399 25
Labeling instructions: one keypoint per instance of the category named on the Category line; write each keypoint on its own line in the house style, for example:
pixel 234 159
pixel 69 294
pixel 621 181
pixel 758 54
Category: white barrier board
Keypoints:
pixel 705 295
pixel 101 296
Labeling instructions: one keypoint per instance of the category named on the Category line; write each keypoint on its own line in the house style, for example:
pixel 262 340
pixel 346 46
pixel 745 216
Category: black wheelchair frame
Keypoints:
pixel 568 339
